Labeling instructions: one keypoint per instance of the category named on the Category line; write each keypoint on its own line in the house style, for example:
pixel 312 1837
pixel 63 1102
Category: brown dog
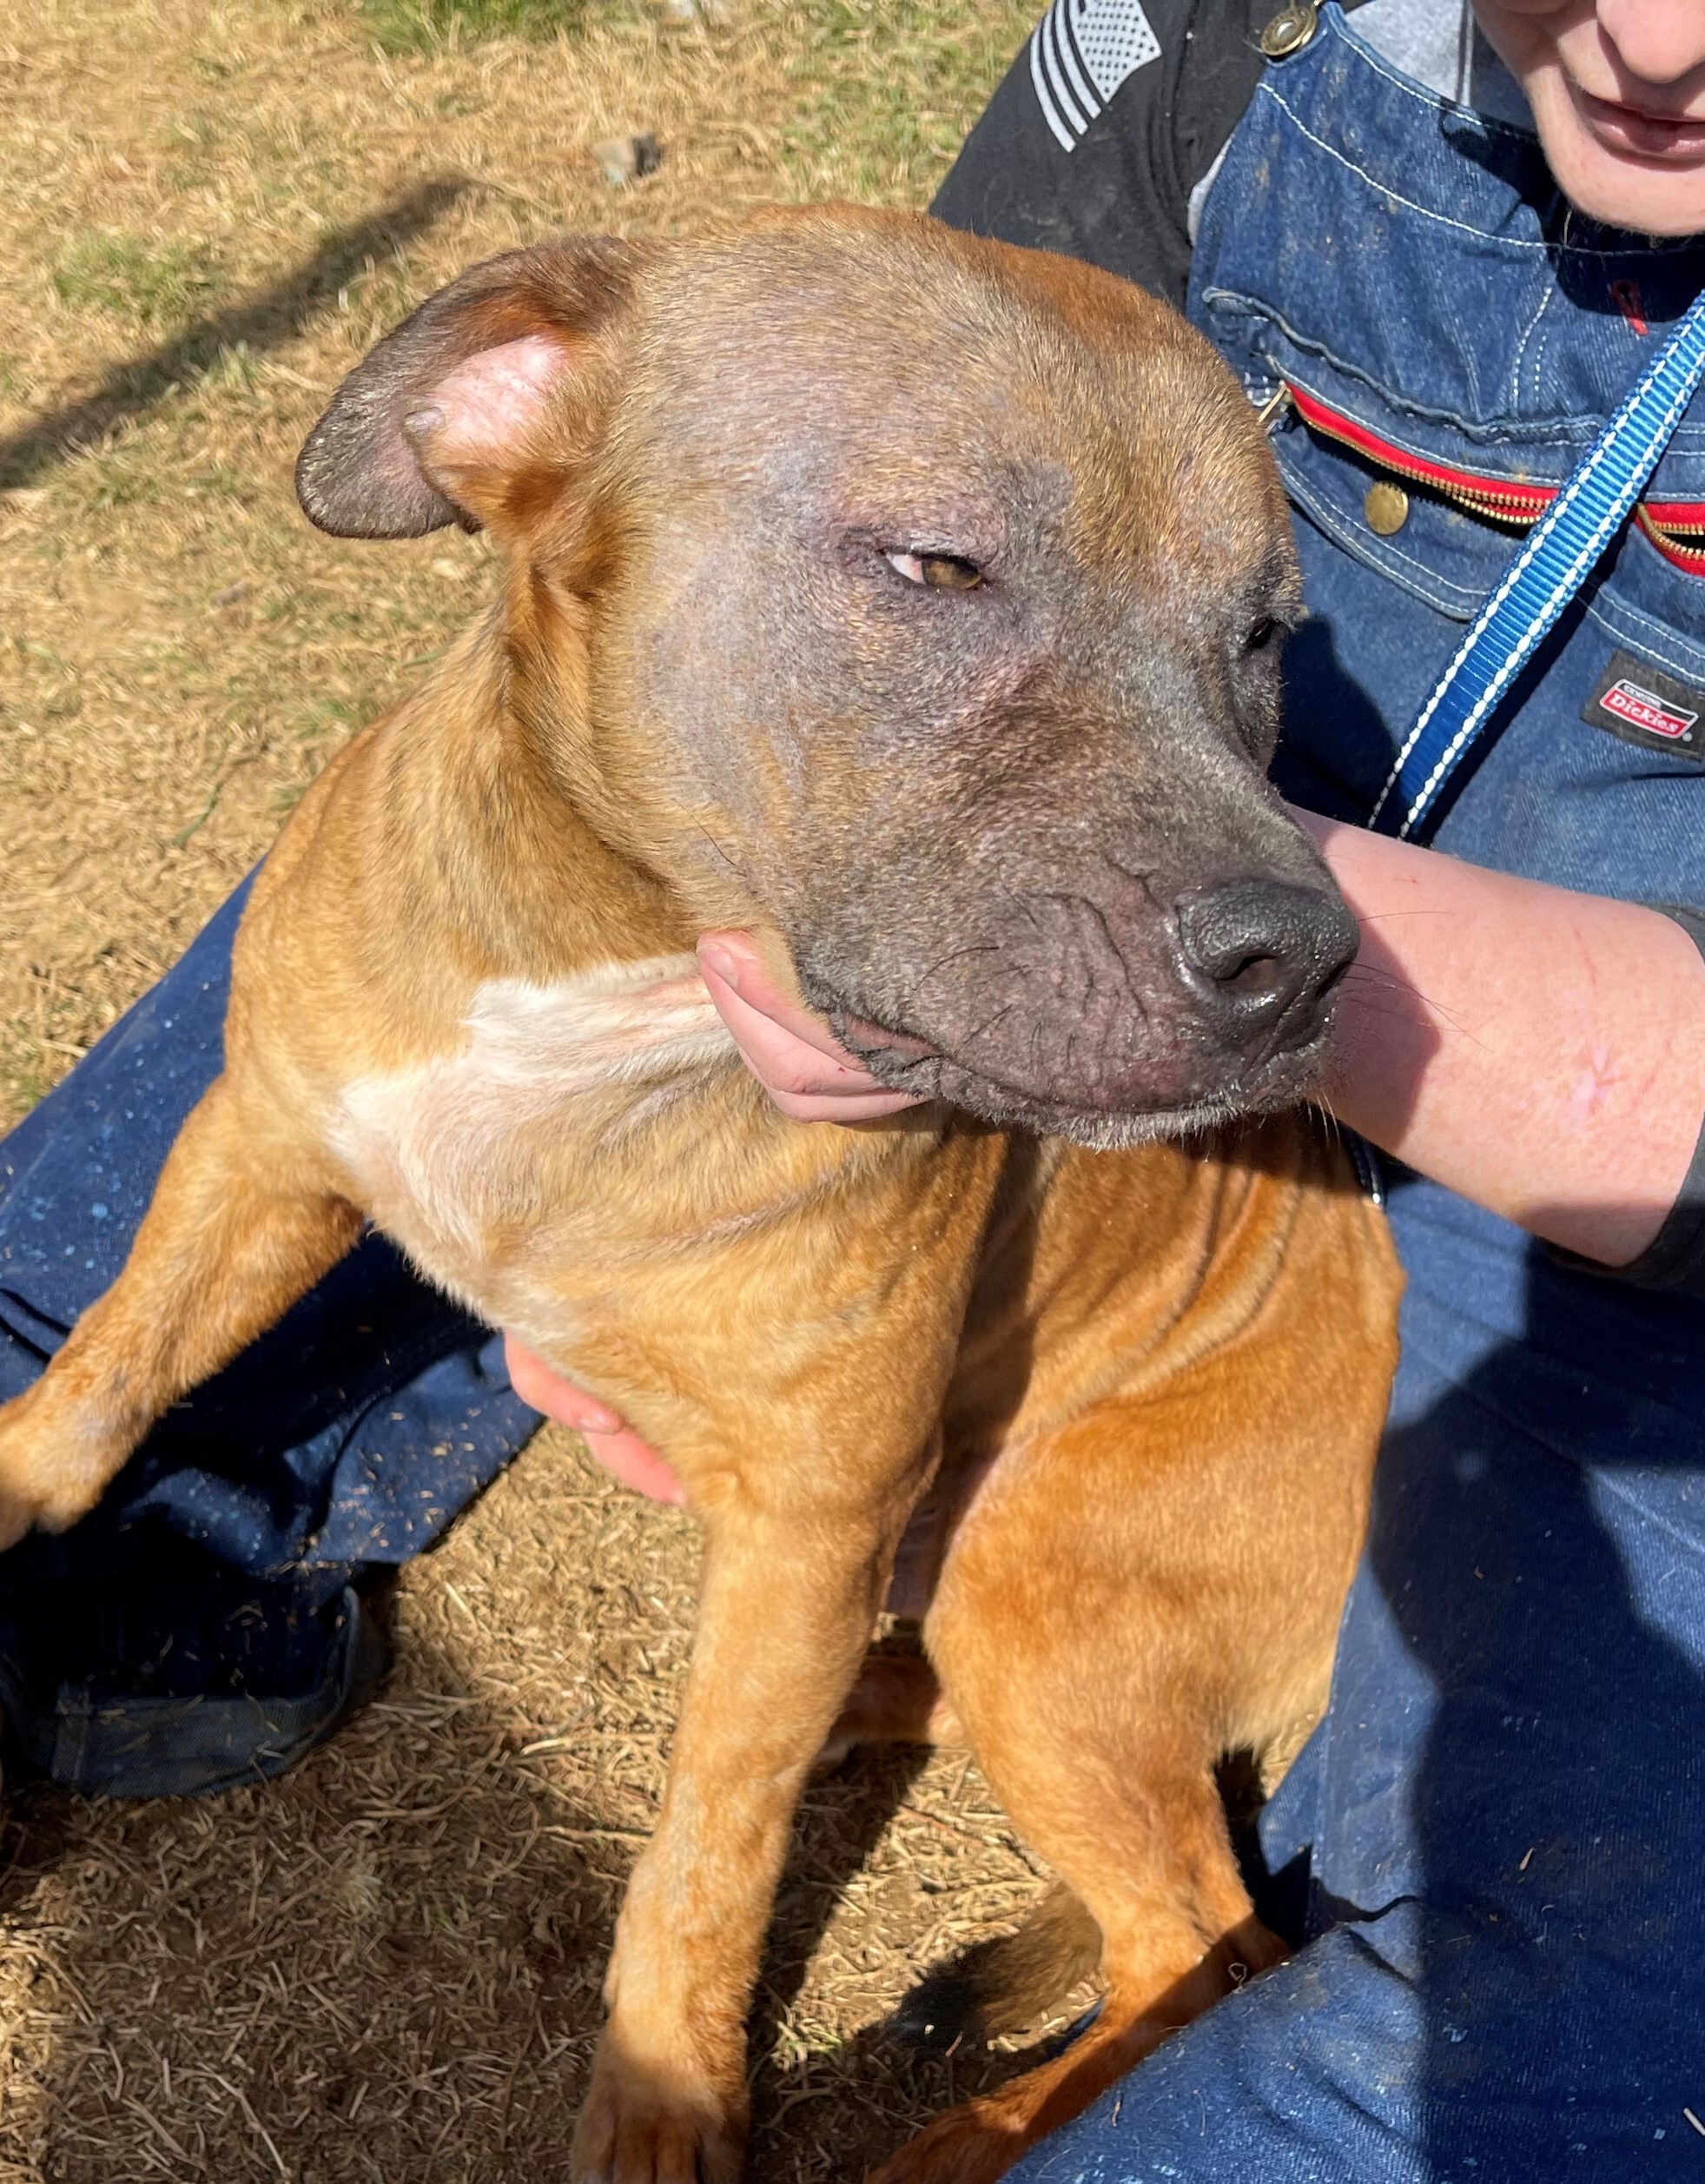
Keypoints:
pixel 911 599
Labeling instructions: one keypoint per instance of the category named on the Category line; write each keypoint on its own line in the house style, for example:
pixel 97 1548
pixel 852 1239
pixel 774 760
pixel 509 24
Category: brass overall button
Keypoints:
pixel 1386 507
pixel 1290 29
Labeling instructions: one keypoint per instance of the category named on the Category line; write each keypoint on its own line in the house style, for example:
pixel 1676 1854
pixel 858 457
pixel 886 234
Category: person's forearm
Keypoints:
pixel 1540 1051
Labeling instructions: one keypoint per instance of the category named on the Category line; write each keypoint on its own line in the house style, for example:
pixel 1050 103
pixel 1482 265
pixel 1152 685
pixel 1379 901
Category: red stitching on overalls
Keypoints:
pixel 1625 295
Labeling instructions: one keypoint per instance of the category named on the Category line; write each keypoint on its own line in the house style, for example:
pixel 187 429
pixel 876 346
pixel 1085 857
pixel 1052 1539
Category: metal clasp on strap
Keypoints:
pixel 1290 30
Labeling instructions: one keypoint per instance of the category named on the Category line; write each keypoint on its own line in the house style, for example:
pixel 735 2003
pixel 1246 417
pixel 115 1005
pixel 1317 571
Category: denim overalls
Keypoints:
pixel 1497 1835
pixel 208 1622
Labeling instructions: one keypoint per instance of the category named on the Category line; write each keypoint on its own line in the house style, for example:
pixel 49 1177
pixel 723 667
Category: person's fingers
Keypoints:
pixel 793 1054
pixel 635 1463
pixel 736 961
pixel 608 1437
pixel 547 1390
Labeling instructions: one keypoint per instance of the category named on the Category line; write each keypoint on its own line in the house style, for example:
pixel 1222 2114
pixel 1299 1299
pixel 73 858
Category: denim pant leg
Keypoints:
pixel 1503 1813
pixel 204 1625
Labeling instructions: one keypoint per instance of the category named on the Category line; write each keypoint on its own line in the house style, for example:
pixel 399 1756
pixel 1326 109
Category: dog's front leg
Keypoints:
pixel 244 1220
pixel 789 1600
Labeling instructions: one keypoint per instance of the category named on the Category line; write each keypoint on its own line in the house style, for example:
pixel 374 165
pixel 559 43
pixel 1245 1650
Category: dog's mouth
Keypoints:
pixel 873 1042
pixel 905 1062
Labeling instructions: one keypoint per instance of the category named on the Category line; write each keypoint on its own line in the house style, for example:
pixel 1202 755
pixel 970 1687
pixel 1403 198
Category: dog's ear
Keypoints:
pixel 432 427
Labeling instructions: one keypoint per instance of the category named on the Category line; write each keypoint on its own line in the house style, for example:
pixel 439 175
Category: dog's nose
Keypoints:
pixel 1261 955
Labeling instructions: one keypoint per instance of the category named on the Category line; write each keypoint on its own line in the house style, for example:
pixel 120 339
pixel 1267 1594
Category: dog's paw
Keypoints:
pixel 638 2126
pixel 837 1748
pixel 52 1469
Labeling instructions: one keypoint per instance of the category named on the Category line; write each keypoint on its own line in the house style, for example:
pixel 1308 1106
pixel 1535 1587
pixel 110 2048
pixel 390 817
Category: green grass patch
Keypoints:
pixel 232 371
pixel 123 477
pixel 323 717
pixel 427 26
pixel 21 1087
pixel 224 481
pixel 889 87
pixel 128 277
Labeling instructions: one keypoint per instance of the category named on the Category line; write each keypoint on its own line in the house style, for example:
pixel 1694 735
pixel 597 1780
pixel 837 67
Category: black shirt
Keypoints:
pixel 1120 196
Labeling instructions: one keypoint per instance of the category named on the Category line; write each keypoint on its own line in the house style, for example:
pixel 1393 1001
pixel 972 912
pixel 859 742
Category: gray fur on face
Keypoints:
pixel 1017 833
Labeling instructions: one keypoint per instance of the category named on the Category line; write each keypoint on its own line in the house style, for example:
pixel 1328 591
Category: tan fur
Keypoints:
pixel 1143 1387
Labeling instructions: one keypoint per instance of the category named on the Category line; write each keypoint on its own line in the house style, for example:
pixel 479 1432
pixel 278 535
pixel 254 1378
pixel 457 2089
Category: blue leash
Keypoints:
pixel 1559 554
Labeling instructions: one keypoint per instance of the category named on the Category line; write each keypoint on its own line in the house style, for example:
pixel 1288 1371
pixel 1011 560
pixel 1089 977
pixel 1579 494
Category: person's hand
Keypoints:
pixel 611 1439
pixel 791 1053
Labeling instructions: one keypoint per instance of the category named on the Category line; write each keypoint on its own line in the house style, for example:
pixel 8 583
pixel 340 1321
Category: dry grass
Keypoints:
pixel 386 1967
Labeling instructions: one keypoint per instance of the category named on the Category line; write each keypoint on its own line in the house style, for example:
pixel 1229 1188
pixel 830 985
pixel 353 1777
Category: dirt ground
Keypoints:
pixel 387 1965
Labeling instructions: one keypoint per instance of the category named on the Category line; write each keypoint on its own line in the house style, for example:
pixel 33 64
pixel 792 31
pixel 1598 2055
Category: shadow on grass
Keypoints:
pixel 386 1964
pixel 265 321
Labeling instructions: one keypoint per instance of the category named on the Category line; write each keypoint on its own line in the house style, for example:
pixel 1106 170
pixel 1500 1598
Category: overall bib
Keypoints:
pixel 1495 1845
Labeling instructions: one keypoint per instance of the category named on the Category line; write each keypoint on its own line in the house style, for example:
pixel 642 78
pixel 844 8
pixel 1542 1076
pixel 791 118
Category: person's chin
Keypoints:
pixel 1638 178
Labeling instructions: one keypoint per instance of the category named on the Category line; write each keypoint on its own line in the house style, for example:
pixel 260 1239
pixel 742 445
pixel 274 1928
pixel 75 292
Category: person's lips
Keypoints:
pixel 1628 129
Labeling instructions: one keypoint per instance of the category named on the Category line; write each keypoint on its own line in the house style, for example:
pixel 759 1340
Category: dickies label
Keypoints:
pixel 1643 705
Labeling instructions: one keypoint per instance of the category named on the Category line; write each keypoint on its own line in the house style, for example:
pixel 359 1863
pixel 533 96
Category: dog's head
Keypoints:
pixel 916 596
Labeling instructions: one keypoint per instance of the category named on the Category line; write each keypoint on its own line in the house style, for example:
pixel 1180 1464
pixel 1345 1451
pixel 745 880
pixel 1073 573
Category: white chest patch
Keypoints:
pixel 443 1146
pixel 624 1024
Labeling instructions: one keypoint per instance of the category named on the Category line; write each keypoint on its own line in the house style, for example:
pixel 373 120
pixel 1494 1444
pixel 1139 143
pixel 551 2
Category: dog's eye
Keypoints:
pixel 937 571
pixel 1261 634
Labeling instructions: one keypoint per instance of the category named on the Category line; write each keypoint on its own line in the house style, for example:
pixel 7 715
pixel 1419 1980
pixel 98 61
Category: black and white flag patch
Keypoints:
pixel 1081 53
pixel 1645 707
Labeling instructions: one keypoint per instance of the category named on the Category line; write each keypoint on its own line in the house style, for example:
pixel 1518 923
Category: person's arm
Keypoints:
pixel 1539 1050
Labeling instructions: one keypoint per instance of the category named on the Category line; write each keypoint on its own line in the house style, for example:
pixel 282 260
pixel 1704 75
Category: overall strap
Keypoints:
pixel 1559 554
